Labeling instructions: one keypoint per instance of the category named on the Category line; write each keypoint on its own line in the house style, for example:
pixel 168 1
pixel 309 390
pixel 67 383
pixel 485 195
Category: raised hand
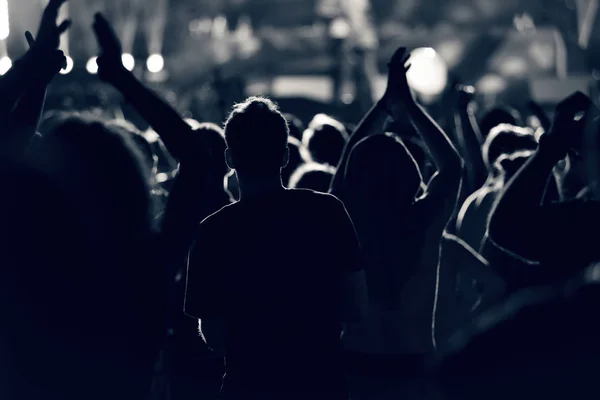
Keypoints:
pixel 48 36
pixel 55 60
pixel 569 122
pixel 398 92
pixel 109 61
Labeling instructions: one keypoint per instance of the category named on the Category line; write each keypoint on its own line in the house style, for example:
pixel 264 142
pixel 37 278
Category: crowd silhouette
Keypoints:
pixel 284 261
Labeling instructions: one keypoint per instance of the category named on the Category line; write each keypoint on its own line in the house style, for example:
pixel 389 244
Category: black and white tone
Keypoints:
pixel 299 199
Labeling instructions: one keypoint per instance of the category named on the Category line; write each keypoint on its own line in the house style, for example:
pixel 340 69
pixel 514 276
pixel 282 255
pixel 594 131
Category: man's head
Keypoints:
pixel 497 116
pixel 257 135
pixel 211 138
pixel 324 139
pixel 506 139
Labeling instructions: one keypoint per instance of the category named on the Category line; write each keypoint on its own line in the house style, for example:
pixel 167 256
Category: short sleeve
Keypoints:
pixel 345 240
pixel 204 285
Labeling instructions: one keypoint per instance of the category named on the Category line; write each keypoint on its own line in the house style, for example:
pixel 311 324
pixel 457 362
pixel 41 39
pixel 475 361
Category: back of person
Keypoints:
pixel 281 306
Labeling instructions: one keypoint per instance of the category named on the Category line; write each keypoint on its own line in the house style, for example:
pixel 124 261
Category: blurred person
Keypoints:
pixel 294 162
pixel 502 143
pixel 399 234
pixel 89 182
pixel 556 238
pixel 312 176
pixel 496 116
pixel 324 140
pixel 197 192
pixel 474 214
pixel 506 139
pixel 253 296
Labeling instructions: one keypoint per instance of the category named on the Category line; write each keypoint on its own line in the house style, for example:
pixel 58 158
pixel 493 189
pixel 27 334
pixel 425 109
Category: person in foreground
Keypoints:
pixel 275 315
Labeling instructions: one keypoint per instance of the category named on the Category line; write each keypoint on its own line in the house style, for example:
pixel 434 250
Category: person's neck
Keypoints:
pixel 253 185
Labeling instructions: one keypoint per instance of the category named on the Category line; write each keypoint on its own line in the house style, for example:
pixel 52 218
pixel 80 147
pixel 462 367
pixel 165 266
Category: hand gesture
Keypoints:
pixel 398 92
pixel 569 122
pixel 48 36
pixel 54 60
pixel 109 61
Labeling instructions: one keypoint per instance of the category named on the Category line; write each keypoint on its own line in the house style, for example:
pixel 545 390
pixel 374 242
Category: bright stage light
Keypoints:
pixel 69 67
pixel 428 74
pixel 128 61
pixel 4 23
pixel 92 66
pixel 155 63
pixel 5 65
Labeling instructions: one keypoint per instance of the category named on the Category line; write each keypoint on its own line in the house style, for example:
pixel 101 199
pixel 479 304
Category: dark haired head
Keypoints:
pixel 497 116
pixel 382 172
pixel 127 129
pixel 104 167
pixel 312 176
pixel 256 134
pixel 324 139
pixel 212 138
pixel 506 139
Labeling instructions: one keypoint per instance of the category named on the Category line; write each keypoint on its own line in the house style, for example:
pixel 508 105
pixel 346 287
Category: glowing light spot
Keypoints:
pixel 92 66
pixel 128 61
pixel 5 65
pixel 428 74
pixel 155 63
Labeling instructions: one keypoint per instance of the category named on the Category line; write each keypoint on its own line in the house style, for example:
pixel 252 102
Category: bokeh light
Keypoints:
pixel 5 65
pixel 128 61
pixel 69 67
pixel 428 74
pixel 92 66
pixel 155 63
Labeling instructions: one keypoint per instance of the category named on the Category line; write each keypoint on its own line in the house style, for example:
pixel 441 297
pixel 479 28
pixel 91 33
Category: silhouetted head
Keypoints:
pixel 294 162
pixel 497 116
pixel 312 176
pixel 506 139
pixel 381 181
pixel 103 170
pixel 86 296
pixel 256 134
pixel 211 137
pixel 127 129
pixel 324 139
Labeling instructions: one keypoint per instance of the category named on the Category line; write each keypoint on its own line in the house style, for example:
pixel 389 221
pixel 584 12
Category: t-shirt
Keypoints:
pixel 271 269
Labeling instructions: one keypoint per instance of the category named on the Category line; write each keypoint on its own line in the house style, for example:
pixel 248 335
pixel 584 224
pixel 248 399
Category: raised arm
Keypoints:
pixel 172 128
pixel 31 73
pixel 447 160
pixel 515 221
pixel 469 138
pixel 372 124
pixel 24 119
